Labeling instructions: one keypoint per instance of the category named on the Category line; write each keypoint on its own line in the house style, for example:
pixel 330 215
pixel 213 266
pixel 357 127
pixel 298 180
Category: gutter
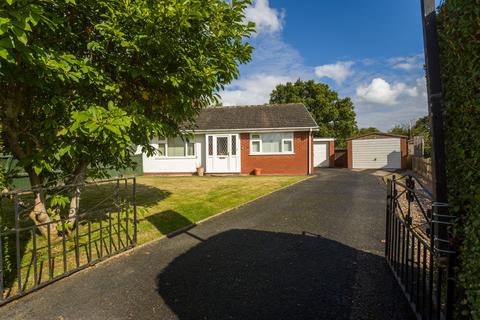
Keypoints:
pixel 310 152
pixel 243 130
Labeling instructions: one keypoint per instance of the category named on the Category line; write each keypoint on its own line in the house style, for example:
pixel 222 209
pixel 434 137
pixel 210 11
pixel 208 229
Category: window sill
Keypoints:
pixel 167 158
pixel 272 154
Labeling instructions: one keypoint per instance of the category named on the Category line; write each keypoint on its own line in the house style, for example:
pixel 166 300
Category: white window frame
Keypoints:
pixel 282 152
pixel 165 142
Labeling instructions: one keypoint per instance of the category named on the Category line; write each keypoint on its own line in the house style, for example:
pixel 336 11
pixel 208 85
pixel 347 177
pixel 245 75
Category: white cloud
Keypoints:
pixel 409 107
pixel 407 63
pixel 338 71
pixel 381 92
pixel 274 62
pixel 252 90
pixel 267 19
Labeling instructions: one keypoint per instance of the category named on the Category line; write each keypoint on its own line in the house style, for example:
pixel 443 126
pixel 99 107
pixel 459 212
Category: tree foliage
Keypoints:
pixel 81 82
pixel 421 128
pixel 459 34
pixel 335 116
pixel 368 130
pixel 400 129
pixel 3 182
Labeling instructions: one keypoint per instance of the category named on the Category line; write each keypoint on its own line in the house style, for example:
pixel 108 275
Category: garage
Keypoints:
pixel 323 152
pixel 377 151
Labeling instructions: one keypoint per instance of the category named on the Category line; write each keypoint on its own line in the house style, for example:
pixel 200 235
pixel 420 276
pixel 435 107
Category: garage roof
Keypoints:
pixel 377 135
pixel 273 116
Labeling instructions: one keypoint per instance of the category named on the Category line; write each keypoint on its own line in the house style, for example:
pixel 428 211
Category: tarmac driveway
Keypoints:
pixel 310 251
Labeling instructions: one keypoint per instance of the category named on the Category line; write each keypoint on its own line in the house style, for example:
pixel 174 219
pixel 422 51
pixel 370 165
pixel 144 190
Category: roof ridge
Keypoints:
pixel 256 105
pixel 393 135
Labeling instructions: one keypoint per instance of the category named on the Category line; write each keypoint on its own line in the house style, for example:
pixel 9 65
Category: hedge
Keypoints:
pixel 459 37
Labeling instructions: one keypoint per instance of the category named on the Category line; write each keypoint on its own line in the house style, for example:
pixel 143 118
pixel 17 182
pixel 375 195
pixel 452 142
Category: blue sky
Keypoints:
pixel 370 51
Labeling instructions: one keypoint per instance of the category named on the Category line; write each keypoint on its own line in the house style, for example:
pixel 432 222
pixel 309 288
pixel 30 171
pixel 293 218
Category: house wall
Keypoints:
pixel 179 165
pixel 296 163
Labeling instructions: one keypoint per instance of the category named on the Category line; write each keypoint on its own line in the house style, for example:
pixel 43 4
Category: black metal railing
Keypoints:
pixel 415 255
pixel 32 255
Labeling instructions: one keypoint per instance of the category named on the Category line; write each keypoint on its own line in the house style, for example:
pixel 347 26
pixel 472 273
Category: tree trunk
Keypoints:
pixel 74 206
pixel 77 181
pixel 39 212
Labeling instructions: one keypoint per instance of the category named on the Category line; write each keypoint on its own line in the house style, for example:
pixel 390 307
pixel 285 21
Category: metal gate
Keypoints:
pixel 105 225
pixel 413 252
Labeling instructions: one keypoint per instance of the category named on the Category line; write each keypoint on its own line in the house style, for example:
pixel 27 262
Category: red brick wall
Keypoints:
pixel 349 154
pixel 331 152
pixel 277 164
pixel 404 152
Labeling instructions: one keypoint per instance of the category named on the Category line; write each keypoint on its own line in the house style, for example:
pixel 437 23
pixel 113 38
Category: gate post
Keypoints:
pixel 387 218
pixel 440 192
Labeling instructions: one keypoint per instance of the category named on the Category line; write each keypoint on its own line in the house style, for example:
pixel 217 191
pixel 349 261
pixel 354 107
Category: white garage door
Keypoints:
pixel 376 153
pixel 320 154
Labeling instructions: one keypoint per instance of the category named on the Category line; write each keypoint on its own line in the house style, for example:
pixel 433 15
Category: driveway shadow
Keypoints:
pixel 169 221
pixel 248 274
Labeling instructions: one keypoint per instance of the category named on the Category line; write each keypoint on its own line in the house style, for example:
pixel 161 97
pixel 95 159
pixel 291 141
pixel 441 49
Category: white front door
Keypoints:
pixel 223 153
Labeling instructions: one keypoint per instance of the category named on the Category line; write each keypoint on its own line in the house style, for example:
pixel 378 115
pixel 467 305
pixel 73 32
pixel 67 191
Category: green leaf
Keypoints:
pixel 62 132
pixel 37 169
pixel 20 34
pixel 7 43
pixel 4 53
pixel 113 129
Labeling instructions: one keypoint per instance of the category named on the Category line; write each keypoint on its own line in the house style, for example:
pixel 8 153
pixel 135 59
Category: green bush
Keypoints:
pixel 459 34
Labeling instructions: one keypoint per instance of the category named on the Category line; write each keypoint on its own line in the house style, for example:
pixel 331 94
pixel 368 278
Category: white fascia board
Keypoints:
pixel 323 139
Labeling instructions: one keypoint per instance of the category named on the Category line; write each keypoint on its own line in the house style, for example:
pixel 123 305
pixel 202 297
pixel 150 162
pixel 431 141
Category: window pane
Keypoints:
pixel 222 146
pixel 234 145
pixel 176 147
pixel 161 149
pixel 287 146
pixel 271 142
pixel 255 146
pixel 210 145
pixel 191 149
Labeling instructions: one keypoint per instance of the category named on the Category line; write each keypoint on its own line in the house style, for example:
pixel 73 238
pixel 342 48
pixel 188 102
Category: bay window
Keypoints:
pixel 271 143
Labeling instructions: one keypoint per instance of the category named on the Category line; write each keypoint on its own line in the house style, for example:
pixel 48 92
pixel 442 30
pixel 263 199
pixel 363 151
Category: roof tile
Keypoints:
pixel 293 115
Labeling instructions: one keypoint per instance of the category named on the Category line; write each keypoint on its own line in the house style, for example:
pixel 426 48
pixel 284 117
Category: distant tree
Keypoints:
pixel 400 129
pixel 421 128
pixel 83 81
pixel 368 130
pixel 335 116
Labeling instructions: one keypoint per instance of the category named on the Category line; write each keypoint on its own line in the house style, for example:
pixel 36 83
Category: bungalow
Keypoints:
pixel 277 139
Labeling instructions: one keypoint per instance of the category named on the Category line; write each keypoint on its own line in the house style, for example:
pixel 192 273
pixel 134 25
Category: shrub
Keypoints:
pixel 459 36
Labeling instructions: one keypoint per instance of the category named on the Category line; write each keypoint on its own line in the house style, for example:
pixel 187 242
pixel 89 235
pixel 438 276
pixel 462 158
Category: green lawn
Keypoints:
pixel 180 201
pixel 164 204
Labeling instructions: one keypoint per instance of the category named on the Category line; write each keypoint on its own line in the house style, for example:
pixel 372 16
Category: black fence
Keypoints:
pixel 412 251
pixel 88 223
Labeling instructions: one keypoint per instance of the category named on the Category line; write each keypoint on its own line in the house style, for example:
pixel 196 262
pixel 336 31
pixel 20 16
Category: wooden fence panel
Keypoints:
pixel 422 167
